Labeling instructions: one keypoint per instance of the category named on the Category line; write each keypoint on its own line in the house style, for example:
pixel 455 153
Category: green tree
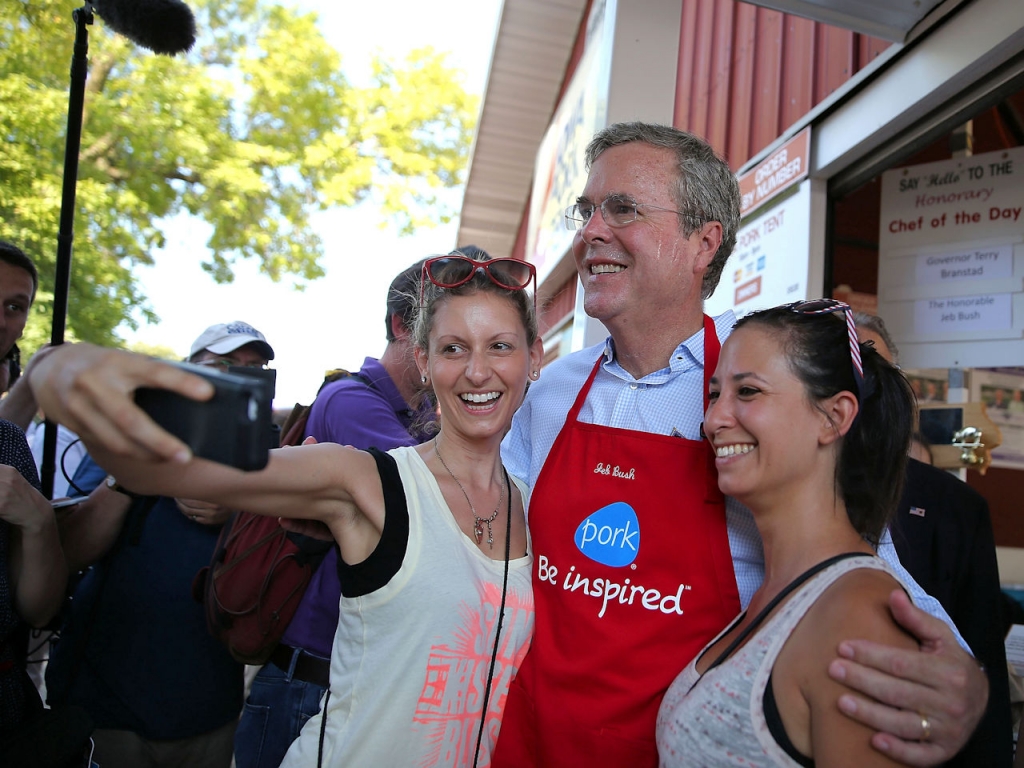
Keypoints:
pixel 251 132
pixel 156 350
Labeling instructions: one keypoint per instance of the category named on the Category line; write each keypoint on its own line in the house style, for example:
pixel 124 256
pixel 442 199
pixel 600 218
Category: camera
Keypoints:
pixel 234 427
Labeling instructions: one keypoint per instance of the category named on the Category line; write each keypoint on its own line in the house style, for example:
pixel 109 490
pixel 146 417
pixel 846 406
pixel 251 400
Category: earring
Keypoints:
pixel 423 379
pixel 534 375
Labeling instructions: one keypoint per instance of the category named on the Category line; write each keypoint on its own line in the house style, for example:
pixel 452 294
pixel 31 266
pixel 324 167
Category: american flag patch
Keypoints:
pixel 919 511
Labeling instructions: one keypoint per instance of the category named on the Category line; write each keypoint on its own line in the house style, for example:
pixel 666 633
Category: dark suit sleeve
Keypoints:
pixel 943 534
pixel 978 614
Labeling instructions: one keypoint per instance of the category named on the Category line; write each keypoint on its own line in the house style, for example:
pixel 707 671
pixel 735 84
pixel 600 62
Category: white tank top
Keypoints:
pixel 410 660
pixel 721 722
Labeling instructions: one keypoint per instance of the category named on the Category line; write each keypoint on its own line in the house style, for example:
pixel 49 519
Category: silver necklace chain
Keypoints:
pixel 478 522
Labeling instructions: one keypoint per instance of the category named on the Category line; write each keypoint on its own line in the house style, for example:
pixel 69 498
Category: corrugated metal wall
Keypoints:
pixel 747 73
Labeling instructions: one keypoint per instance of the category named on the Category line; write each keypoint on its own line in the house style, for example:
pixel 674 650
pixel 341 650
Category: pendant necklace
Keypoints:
pixel 478 522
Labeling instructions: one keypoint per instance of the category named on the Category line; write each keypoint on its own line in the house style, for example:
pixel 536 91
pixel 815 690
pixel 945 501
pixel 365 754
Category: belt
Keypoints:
pixel 308 668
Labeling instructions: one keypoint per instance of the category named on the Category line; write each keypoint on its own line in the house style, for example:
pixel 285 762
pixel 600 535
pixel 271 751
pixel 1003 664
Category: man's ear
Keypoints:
pixel 840 411
pixel 398 329
pixel 709 239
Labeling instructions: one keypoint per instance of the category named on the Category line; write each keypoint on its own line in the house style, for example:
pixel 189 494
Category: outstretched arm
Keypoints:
pixel 925 704
pixel 90 390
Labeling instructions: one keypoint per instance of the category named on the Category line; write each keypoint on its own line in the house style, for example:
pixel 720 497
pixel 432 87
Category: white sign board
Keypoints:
pixel 770 263
pixel 965 265
pixel 951 261
pixel 964 313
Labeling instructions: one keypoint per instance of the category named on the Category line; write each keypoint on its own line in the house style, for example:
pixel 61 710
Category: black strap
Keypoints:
pixel 788 590
pixel 501 618
pixel 777 729
pixel 323 730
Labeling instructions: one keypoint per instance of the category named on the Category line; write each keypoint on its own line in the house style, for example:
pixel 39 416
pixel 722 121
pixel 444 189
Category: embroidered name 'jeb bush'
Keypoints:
pixel 616 471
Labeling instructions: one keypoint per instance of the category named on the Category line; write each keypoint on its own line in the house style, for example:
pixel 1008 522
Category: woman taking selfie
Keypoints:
pixel 436 607
pixel 814 441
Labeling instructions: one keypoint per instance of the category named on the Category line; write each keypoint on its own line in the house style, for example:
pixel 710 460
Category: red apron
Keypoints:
pixel 632 577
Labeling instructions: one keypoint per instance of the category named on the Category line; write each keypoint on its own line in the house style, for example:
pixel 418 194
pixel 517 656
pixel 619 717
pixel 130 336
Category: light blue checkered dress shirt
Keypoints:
pixel 666 402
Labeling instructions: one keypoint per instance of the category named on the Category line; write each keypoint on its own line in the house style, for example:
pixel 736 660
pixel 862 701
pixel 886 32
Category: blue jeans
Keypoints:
pixel 277 708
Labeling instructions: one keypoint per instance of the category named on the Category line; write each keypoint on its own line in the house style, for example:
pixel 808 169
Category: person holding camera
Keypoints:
pixel 134 649
pixel 434 557
pixel 381 406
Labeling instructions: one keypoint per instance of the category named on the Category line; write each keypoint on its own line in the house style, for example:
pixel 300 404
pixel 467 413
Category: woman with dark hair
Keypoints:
pixel 810 430
pixel 436 607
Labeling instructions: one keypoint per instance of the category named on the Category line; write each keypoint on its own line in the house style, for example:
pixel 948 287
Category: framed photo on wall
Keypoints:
pixel 1002 392
pixel 931 385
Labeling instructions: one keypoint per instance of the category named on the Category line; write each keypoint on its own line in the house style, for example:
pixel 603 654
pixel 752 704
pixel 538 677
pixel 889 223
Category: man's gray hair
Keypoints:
pixel 877 324
pixel 707 190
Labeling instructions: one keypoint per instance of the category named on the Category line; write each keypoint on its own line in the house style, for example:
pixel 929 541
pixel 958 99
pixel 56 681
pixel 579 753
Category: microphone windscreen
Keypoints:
pixel 162 26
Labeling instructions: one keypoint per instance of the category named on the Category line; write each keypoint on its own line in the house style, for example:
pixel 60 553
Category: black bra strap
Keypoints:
pixel 793 585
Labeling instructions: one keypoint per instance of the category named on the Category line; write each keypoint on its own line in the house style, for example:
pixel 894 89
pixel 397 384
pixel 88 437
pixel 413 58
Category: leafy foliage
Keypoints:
pixel 251 132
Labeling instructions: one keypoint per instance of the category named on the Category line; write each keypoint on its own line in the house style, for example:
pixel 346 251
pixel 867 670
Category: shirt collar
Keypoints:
pixel 686 356
pixel 375 372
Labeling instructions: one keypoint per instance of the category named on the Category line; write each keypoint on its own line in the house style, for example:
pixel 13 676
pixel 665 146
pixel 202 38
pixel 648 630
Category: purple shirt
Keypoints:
pixel 350 413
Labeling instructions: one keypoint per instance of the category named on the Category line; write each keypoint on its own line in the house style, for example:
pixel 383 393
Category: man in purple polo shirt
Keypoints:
pixel 375 407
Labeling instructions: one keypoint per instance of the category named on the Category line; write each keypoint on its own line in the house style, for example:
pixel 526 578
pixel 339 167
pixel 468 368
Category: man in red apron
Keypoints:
pixel 633 547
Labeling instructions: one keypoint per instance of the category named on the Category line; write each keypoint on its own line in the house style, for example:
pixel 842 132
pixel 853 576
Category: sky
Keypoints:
pixel 339 319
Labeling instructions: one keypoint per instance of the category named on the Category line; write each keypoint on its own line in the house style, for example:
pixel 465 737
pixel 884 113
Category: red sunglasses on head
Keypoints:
pixel 827 306
pixel 453 270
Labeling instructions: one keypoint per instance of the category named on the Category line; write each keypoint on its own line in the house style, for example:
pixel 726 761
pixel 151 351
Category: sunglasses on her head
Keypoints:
pixel 824 307
pixel 454 270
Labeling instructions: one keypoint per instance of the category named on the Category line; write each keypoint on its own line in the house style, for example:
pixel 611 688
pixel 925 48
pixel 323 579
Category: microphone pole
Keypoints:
pixel 66 234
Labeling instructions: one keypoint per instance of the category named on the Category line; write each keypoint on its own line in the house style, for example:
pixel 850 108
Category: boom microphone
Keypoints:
pixel 162 26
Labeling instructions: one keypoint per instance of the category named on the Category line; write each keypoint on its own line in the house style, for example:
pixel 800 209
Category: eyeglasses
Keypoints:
pixel 453 270
pixel 616 212
pixel 824 307
pixel 225 363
